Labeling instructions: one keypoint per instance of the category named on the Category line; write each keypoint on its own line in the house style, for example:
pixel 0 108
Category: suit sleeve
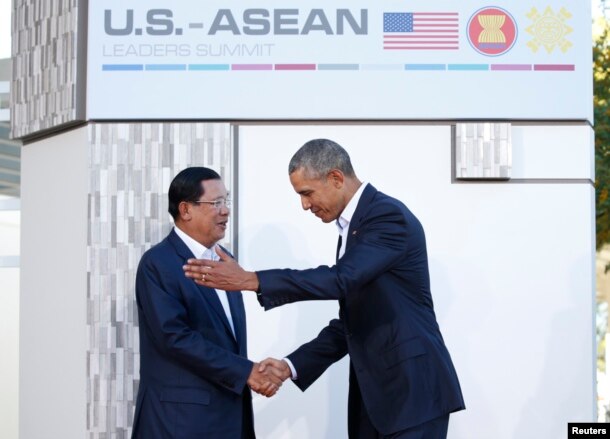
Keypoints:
pixel 313 358
pixel 166 317
pixel 380 246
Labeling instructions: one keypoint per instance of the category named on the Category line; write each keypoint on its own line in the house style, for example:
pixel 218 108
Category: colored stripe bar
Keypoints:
pixel 295 67
pixel 425 67
pixel 338 67
pixel 209 67
pixel 511 67
pixel 122 67
pixel 468 67
pixel 554 67
pixel 405 47
pixel 165 67
pixel 381 67
pixel 251 66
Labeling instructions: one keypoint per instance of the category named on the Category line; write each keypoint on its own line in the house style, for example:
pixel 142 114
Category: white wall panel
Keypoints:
pixel 53 303
pixel 553 151
pixel 511 268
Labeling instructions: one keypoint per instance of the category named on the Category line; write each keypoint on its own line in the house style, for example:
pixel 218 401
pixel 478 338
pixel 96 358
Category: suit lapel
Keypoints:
pixel 238 313
pixel 208 294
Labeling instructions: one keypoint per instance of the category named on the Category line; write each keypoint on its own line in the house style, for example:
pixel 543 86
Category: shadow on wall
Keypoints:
pixel 569 341
pixel 321 411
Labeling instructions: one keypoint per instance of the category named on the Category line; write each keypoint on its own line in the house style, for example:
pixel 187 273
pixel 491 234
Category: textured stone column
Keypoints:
pixel 130 168
pixel 49 48
pixel 483 151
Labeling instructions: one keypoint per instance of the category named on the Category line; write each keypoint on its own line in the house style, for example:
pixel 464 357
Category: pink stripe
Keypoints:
pixel 554 67
pixel 251 66
pixel 511 67
pixel 295 67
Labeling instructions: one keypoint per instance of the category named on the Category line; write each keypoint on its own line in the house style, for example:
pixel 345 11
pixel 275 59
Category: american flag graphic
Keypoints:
pixel 421 31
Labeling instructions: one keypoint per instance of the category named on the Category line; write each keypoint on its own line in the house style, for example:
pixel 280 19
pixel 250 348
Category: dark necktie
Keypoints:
pixel 339 246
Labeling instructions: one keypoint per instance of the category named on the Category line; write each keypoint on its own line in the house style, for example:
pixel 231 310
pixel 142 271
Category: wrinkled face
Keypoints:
pixel 324 197
pixel 208 224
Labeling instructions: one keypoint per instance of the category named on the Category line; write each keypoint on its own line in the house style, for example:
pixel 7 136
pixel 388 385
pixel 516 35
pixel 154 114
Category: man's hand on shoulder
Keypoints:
pixel 225 274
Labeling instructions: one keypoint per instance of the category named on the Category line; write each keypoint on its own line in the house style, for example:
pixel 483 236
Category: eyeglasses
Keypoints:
pixel 218 204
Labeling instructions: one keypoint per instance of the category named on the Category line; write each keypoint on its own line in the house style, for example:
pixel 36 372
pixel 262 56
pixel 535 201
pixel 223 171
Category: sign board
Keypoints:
pixel 362 60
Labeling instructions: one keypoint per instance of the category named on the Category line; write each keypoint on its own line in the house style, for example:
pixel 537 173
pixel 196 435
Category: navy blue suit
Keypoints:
pixel 193 371
pixel 400 369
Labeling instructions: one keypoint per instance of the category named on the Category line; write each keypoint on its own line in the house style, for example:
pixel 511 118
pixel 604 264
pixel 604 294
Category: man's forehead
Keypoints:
pixel 216 186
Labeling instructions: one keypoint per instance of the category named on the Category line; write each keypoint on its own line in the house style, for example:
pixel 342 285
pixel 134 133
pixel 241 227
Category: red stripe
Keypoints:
pixel 434 25
pixel 295 67
pixel 437 30
pixel 421 48
pixel 455 14
pixel 420 42
pixel 419 36
pixel 554 67
pixel 437 19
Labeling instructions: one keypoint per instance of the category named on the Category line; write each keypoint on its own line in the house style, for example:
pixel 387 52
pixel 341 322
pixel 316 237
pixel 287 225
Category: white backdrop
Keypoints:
pixel 511 272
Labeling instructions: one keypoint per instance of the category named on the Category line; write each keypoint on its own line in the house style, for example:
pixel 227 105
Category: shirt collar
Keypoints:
pixel 195 247
pixel 347 214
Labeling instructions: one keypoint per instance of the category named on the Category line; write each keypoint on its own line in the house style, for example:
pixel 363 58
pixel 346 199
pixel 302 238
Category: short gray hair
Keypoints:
pixel 320 156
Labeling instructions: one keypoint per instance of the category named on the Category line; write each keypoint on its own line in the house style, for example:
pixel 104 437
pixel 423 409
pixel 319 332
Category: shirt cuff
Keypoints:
pixel 293 371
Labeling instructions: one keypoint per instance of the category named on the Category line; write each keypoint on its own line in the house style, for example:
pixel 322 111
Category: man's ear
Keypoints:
pixel 336 178
pixel 184 211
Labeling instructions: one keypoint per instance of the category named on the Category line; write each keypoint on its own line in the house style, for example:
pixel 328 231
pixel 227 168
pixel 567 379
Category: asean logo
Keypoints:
pixel 492 31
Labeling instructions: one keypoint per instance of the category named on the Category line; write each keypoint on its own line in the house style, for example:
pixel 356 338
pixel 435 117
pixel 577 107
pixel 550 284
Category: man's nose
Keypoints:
pixel 306 204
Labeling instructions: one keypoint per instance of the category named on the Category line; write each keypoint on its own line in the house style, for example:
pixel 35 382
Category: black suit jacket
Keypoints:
pixel 193 372
pixel 386 320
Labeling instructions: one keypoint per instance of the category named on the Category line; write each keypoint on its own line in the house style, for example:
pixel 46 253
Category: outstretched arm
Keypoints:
pixel 225 274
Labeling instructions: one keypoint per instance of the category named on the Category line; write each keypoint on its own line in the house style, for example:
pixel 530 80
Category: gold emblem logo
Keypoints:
pixel 549 30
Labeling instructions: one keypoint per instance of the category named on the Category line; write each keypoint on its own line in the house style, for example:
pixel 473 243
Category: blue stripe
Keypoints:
pixel 165 67
pixel 209 67
pixel 425 67
pixel 122 67
pixel 468 67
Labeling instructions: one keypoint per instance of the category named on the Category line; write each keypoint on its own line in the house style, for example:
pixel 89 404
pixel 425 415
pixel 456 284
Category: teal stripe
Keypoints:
pixel 425 67
pixel 209 67
pixel 468 67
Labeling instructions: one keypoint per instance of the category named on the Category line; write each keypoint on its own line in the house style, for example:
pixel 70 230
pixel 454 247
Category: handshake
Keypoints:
pixel 267 376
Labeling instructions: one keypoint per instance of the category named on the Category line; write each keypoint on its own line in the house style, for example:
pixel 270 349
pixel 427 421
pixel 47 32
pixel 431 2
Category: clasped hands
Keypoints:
pixel 267 376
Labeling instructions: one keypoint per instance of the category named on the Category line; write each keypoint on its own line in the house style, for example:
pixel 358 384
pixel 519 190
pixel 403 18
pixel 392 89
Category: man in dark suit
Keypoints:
pixel 194 371
pixel 402 380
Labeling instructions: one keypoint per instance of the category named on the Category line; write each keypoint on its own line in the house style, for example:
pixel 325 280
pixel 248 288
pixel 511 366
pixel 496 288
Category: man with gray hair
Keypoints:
pixel 402 380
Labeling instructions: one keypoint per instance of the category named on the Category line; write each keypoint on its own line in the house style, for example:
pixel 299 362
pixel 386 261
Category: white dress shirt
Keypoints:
pixel 346 217
pixel 343 226
pixel 200 251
